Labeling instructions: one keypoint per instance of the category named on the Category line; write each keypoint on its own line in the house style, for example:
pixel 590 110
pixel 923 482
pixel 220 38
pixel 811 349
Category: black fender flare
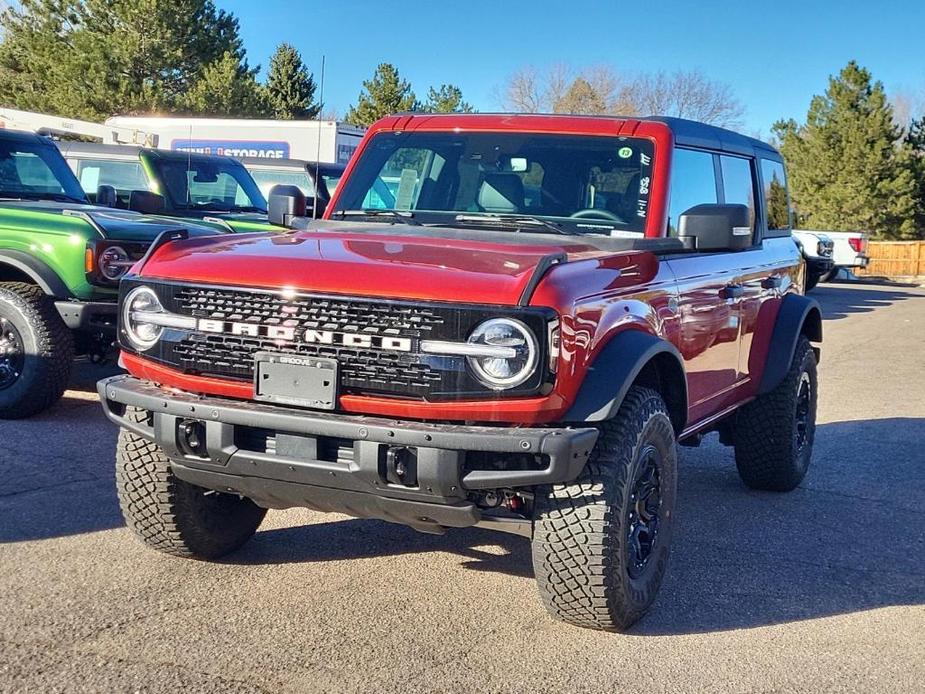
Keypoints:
pixel 798 315
pixel 616 368
pixel 37 271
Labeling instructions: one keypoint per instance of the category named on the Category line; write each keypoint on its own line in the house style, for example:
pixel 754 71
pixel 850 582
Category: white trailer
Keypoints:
pixel 326 141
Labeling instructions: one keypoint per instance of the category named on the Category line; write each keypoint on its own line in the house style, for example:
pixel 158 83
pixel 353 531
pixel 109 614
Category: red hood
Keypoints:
pixel 361 264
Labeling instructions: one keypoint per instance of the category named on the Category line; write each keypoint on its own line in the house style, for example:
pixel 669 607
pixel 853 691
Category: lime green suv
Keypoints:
pixel 61 260
pixel 215 190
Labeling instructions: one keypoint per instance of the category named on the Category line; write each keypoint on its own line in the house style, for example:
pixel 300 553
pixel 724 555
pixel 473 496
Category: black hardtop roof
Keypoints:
pixel 691 133
pixel 24 136
pixel 130 151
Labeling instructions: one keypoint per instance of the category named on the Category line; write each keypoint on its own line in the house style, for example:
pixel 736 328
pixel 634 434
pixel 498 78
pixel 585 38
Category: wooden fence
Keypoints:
pixel 895 259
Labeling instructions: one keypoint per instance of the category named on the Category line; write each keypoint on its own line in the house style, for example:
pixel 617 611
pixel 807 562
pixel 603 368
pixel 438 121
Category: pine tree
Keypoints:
pixel 447 99
pixel 227 88
pixel 382 95
pixel 914 155
pixel 96 58
pixel 290 87
pixel 846 166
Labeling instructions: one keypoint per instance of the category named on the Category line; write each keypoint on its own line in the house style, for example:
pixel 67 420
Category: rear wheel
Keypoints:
pixel 774 433
pixel 173 516
pixel 601 543
pixel 36 351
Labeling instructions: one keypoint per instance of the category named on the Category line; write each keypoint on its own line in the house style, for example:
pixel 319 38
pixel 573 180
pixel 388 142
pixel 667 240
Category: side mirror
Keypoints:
pixel 716 228
pixel 146 202
pixel 286 202
pixel 106 196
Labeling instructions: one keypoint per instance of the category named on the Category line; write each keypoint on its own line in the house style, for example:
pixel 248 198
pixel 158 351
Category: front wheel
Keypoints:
pixel 173 516
pixel 601 543
pixel 36 351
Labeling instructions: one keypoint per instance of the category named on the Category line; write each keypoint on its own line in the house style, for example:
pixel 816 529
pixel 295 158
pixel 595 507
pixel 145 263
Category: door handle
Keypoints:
pixel 732 291
pixel 772 282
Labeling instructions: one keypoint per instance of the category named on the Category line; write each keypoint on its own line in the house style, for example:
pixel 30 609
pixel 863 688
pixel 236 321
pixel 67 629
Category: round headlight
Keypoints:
pixel 509 354
pixel 114 262
pixel 141 303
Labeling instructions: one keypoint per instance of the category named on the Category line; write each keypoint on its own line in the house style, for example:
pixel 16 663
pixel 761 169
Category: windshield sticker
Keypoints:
pixel 625 152
pixel 404 198
pixel 644 159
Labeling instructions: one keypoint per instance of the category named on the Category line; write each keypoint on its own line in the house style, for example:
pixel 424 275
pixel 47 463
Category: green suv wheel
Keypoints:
pixel 36 351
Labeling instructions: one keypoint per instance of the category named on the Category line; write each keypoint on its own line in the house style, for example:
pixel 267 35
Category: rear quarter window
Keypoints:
pixel 776 200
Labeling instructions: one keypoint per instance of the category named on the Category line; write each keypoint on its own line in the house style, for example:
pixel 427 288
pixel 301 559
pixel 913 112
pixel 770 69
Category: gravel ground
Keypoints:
pixel 821 589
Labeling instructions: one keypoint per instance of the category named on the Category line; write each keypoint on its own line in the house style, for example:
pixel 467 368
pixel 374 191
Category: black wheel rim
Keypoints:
pixel 803 411
pixel 644 511
pixel 12 357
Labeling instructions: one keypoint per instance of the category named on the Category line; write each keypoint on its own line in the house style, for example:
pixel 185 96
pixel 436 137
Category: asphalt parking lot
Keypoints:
pixel 822 589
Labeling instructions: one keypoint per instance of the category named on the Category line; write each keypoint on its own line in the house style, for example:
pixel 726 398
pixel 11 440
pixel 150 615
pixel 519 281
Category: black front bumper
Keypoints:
pixel 95 316
pixel 819 266
pixel 299 469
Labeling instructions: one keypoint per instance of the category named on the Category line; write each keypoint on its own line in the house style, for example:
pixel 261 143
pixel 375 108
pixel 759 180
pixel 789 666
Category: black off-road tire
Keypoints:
pixel 581 536
pixel 773 435
pixel 29 318
pixel 173 516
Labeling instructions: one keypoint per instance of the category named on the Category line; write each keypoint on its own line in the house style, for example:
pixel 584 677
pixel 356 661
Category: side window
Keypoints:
pixel 775 195
pixel 739 184
pixel 124 176
pixel 693 182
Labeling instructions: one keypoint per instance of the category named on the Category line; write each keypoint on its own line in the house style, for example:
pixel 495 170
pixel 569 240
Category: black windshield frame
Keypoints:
pixel 166 167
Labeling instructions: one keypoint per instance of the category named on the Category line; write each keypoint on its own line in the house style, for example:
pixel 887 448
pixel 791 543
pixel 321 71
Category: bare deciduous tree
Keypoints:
pixel 685 94
pixel 599 90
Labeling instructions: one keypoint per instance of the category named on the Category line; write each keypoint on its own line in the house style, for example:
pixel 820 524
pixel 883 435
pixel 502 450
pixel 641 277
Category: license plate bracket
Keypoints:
pixel 295 379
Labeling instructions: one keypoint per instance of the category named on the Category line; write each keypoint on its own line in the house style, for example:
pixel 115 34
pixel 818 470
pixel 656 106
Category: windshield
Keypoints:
pixel 583 184
pixel 212 185
pixel 36 171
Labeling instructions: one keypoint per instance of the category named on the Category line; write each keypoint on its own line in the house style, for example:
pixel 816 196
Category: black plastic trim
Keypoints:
pixel 84 315
pixel 795 311
pixel 546 262
pixel 440 446
pixel 38 271
pixel 610 377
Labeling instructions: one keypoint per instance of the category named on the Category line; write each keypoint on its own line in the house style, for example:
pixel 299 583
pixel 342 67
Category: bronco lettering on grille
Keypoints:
pixel 311 336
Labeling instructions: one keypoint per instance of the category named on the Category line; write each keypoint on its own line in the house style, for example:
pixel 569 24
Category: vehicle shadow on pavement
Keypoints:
pixel 848 539
pixel 842 300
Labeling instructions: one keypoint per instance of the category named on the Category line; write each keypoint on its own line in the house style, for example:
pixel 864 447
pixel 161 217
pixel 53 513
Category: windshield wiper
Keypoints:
pixel 514 221
pixel 397 217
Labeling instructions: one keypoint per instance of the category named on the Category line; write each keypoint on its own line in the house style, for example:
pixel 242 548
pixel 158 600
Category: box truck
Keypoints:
pixel 321 140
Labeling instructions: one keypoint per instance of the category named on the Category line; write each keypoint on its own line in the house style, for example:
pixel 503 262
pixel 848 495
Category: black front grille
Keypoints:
pixel 362 370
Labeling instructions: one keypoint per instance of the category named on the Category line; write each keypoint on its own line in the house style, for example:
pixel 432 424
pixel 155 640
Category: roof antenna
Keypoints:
pixel 189 167
pixel 318 144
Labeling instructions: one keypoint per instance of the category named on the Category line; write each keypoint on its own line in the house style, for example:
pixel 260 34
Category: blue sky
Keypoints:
pixel 775 55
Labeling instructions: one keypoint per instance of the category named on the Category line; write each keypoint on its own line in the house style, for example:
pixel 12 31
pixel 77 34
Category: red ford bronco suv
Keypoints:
pixel 504 321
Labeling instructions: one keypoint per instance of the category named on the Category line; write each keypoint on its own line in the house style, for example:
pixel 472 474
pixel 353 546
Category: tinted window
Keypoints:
pixel 212 185
pixel 36 170
pixel 584 184
pixel 739 184
pixel 775 194
pixel 124 176
pixel 267 178
pixel 693 182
